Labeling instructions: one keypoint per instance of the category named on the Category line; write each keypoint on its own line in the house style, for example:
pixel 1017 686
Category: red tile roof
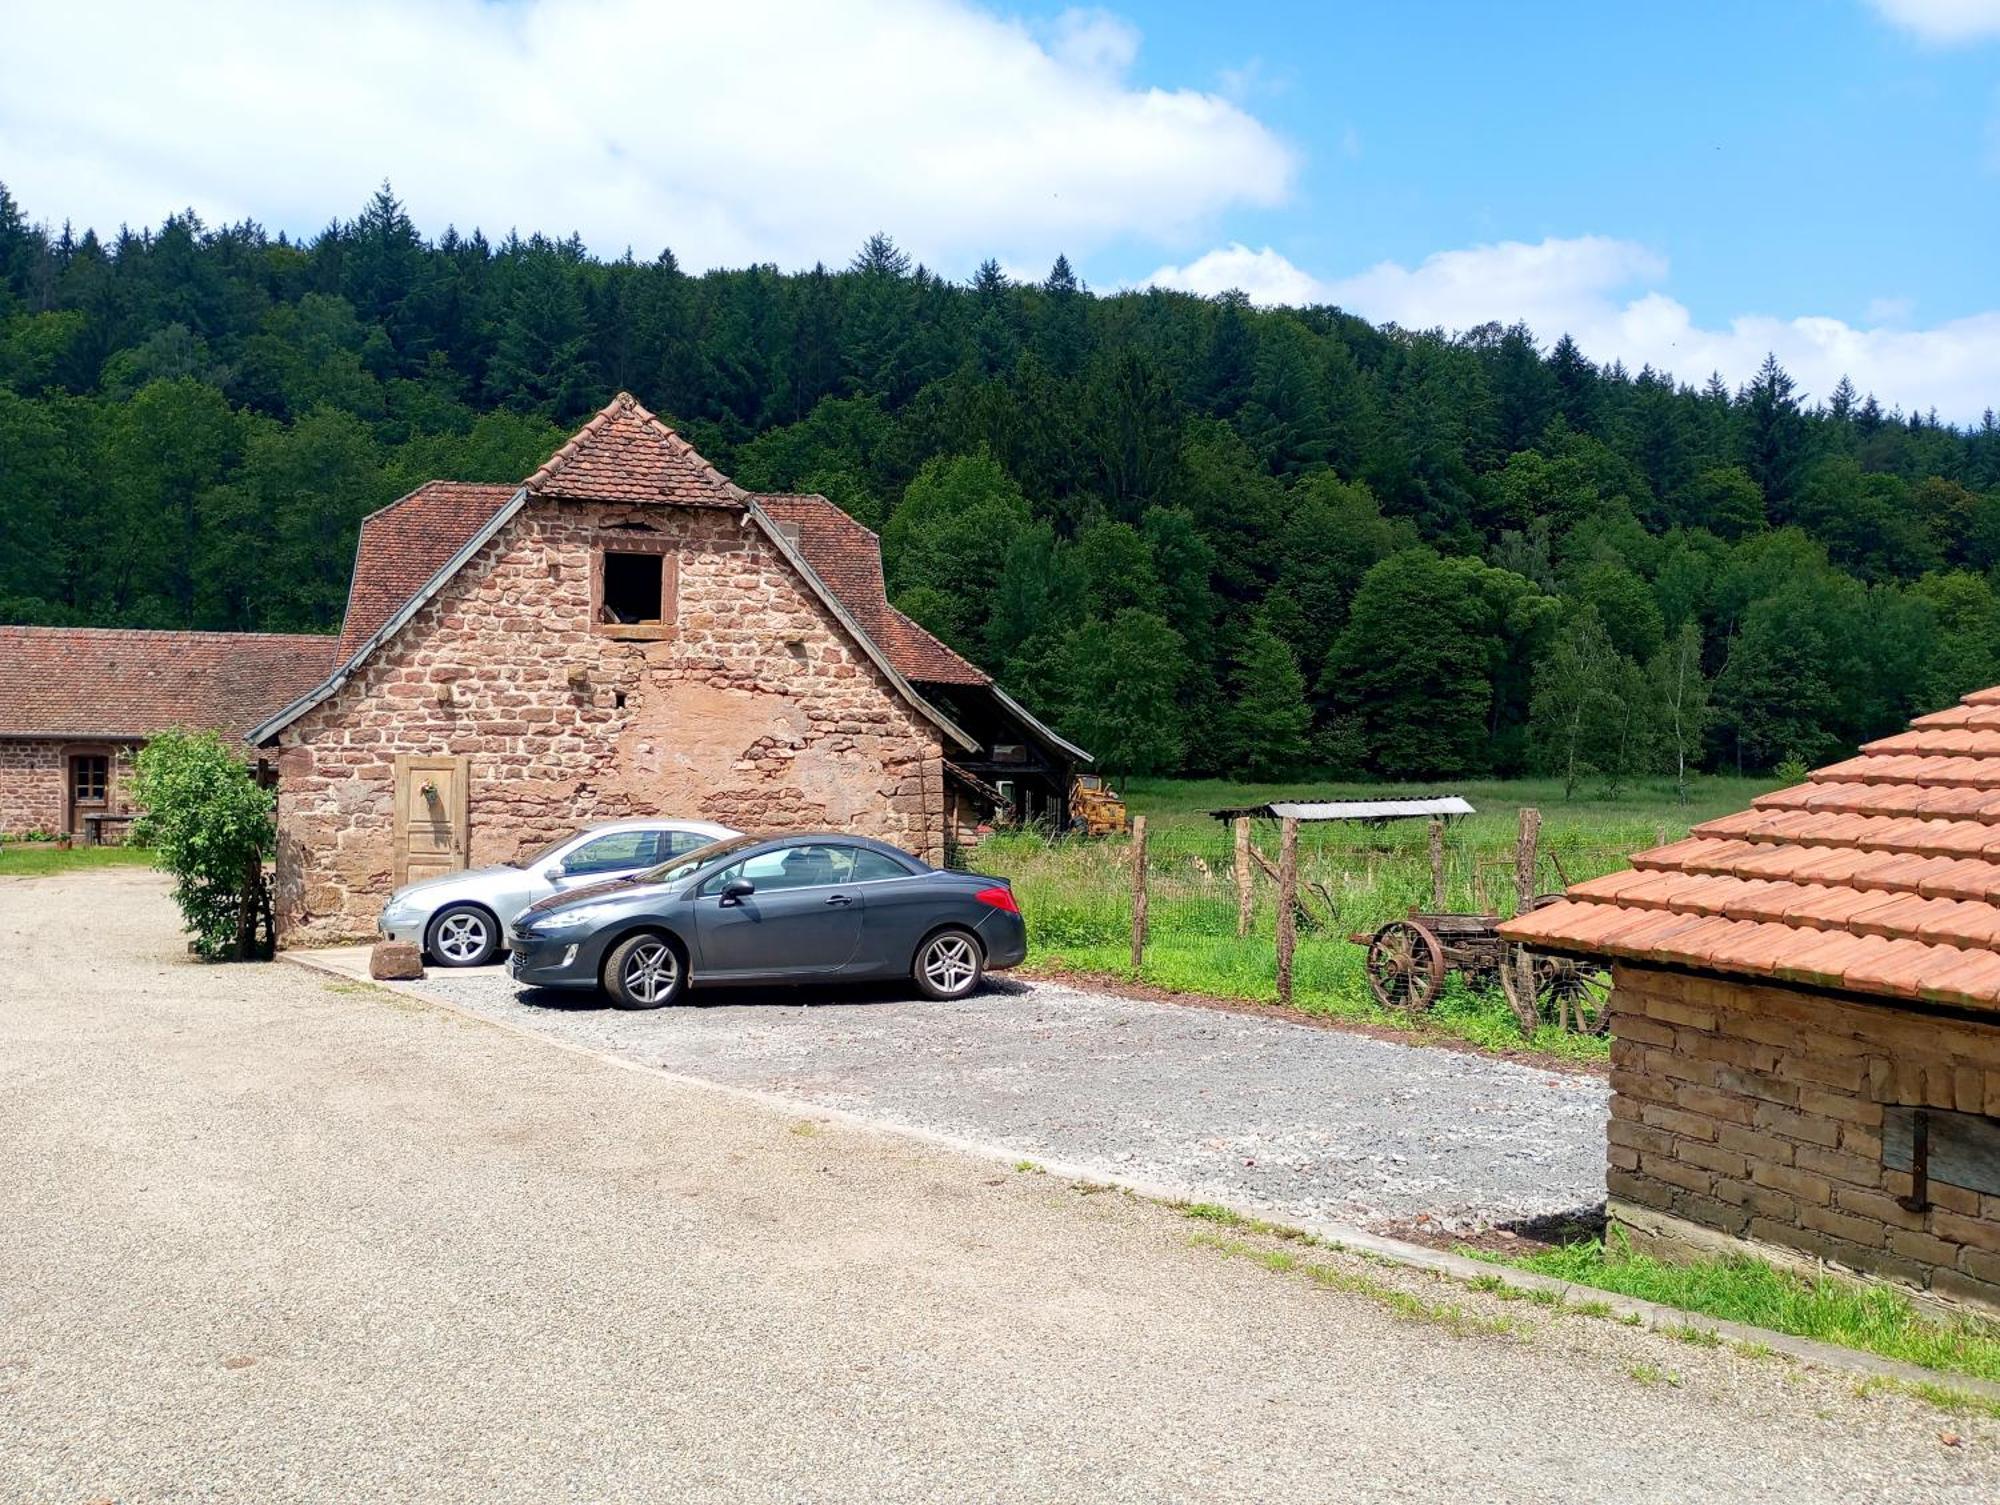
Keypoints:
pixel 625 454
pixel 114 682
pixel 405 544
pixel 1880 875
pixel 848 557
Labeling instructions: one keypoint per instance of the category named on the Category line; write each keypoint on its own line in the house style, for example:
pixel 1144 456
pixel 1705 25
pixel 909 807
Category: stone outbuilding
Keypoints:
pixel 1806 1017
pixel 625 633
pixel 77 703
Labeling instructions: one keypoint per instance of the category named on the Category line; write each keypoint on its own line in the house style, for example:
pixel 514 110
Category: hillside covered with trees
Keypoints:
pixel 1200 536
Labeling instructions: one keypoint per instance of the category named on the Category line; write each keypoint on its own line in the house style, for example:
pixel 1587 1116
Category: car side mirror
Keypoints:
pixel 555 873
pixel 736 890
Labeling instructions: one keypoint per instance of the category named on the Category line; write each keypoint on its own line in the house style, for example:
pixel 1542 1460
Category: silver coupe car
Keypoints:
pixel 461 919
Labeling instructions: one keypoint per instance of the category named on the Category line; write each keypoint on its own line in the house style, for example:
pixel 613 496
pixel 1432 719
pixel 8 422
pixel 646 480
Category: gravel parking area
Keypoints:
pixel 1311 1124
pixel 272 1237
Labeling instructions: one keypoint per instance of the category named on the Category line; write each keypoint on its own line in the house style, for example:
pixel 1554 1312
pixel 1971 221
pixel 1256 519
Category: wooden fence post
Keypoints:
pixel 1245 895
pixel 1527 853
pixel 1437 865
pixel 1288 905
pixel 1138 892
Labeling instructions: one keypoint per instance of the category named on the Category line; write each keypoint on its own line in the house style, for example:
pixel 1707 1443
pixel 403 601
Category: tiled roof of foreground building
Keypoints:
pixel 1879 875
pixel 118 682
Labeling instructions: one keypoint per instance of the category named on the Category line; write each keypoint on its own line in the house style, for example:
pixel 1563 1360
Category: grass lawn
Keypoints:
pixel 18 861
pixel 1876 1319
pixel 1077 893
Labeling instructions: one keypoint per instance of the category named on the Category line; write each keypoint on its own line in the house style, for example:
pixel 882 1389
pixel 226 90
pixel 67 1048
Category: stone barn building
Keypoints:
pixel 1806 1017
pixel 77 703
pixel 625 633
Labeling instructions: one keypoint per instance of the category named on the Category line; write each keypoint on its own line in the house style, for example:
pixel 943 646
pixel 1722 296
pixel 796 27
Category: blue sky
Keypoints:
pixel 1687 184
pixel 1809 156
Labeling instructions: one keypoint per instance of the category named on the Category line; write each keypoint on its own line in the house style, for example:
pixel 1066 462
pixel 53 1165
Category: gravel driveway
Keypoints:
pixel 1311 1124
pixel 272 1238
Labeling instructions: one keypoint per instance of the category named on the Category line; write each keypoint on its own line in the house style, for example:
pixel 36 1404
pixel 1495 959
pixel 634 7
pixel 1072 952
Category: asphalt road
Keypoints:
pixel 1307 1124
pixel 267 1237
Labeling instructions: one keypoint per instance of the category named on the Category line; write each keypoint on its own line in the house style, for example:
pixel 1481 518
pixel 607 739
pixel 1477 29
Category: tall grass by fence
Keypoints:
pixel 1080 899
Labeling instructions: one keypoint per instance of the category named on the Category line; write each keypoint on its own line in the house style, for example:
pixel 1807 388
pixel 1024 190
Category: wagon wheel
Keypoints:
pixel 1574 995
pixel 1405 966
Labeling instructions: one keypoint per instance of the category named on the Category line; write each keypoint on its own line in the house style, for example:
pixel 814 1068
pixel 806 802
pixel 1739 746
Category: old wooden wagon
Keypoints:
pixel 1408 959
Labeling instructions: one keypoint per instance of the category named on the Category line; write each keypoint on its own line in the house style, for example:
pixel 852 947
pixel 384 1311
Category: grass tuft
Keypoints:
pixel 1875 1319
pixel 1450 1316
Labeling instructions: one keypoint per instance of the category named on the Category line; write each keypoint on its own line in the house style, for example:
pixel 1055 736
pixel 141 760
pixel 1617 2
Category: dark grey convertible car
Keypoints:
pixel 772 909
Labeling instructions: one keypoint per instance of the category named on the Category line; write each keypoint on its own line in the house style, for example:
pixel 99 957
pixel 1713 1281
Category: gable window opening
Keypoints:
pixel 633 589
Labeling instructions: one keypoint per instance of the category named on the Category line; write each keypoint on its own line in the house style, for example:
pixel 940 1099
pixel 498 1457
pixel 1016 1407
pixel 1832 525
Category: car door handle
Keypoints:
pixel 838 899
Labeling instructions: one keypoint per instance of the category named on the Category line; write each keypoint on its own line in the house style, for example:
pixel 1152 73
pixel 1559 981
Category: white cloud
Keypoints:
pixel 1943 22
pixel 1266 276
pixel 1605 293
pixel 781 130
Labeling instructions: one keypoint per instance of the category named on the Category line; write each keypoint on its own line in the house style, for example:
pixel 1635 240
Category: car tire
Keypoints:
pixel 645 971
pixel 949 965
pixel 462 935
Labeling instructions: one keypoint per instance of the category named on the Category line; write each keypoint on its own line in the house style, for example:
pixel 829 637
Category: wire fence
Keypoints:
pixel 1197 906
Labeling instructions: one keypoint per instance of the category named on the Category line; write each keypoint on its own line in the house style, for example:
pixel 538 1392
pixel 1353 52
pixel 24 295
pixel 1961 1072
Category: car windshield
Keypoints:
pixel 542 854
pixel 699 858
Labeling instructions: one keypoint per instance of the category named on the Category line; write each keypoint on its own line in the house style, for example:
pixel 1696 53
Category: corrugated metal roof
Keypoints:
pixel 1386 809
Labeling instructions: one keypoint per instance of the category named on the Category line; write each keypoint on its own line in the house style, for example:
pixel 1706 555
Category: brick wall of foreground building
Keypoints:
pixel 1758 1111
pixel 759 712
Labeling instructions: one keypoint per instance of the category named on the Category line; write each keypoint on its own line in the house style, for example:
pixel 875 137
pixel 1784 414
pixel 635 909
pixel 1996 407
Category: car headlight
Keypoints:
pixel 402 909
pixel 569 919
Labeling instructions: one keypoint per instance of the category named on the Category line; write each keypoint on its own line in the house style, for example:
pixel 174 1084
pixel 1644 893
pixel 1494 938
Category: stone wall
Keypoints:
pixel 34 777
pixel 1757 1112
pixel 31 787
pixel 755 710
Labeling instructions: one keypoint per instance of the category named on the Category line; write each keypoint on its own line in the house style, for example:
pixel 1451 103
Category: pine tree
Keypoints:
pixel 1267 722
pixel 1774 441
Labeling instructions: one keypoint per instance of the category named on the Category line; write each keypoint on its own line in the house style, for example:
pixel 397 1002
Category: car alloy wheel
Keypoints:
pixel 651 972
pixel 463 938
pixel 950 964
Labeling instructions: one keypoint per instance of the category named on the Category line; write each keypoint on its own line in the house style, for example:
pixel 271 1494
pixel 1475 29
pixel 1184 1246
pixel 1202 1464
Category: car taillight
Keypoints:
pixel 999 897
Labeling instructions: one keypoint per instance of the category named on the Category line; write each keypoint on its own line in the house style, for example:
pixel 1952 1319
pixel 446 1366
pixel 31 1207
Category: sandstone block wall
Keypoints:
pixel 1758 1111
pixel 34 782
pixel 756 710
pixel 31 787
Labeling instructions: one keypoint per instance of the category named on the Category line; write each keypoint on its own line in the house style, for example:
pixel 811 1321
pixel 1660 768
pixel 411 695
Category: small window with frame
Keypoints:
pixel 635 590
pixel 90 778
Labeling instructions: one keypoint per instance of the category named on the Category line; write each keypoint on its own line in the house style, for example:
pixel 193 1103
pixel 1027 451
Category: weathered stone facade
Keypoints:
pixel 753 707
pixel 31 787
pixel 34 782
pixel 1758 1111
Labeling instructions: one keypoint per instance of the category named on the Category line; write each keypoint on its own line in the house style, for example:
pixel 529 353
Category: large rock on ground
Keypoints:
pixel 395 961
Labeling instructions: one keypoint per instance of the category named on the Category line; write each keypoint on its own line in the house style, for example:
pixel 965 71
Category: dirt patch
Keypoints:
pixel 1430 1039
pixel 1526 1236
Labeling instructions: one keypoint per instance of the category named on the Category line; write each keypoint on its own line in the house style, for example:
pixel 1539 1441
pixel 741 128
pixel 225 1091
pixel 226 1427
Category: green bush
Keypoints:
pixel 211 826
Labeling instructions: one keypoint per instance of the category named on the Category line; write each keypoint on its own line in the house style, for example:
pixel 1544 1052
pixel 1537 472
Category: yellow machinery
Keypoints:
pixel 1095 807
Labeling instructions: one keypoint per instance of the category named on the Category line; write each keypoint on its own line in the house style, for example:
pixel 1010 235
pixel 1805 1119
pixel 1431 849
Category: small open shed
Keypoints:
pixel 1806 1017
pixel 1372 812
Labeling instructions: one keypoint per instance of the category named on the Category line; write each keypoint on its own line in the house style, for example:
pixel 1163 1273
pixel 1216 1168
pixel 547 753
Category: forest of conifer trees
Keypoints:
pixel 1199 536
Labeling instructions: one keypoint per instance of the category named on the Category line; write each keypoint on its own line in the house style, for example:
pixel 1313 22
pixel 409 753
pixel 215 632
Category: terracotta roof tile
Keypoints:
pixel 848 557
pixel 1880 874
pixel 405 544
pixel 409 541
pixel 625 454
pixel 111 682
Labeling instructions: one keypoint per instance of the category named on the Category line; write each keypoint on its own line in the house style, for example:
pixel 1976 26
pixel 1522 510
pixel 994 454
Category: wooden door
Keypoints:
pixel 432 798
pixel 89 788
